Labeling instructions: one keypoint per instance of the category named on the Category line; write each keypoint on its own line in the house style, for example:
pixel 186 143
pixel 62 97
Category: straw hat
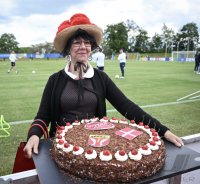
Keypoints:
pixel 68 27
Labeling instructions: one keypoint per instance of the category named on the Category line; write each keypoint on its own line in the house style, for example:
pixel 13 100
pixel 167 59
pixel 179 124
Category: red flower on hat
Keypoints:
pixel 76 19
pixel 63 25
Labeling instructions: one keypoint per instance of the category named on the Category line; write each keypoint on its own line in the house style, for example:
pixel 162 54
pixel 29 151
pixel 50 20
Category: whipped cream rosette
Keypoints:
pixel 105 155
pixel 68 126
pixel 121 156
pixel 90 154
pixel 104 119
pixel 60 144
pixel 59 137
pixel 135 155
pixel 145 150
pixel 67 148
pixel 152 145
pixel 123 121
pixel 114 120
pixel 156 139
pixel 77 150
pixel 75 123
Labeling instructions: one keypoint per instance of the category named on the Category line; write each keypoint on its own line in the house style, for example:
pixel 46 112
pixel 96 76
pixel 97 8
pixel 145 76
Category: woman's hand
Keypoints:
pixel 173 138
pixel 32 146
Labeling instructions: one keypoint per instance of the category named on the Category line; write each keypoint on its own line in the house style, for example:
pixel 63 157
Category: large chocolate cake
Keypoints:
pixel 108 151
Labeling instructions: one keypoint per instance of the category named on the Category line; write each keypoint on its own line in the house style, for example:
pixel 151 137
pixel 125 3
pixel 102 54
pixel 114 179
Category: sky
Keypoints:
pixel 36 21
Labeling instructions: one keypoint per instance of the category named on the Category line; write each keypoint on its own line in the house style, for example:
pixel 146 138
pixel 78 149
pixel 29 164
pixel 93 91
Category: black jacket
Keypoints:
pixel 104 88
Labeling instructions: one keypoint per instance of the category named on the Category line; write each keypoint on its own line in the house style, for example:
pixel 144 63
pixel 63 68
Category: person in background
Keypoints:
pixel 196 59
pixel 100 58
pixel 197 63
pixel 122 61
pixel 79 91
pixel 112 56
pixel 13 59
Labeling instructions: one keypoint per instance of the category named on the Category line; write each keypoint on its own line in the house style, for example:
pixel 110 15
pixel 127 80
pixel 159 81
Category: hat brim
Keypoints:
pixel 62 37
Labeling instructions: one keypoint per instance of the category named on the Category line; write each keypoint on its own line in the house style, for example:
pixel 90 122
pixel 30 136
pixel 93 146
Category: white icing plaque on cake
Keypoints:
pixel 98 140
pixel 128 133
pixel 99 126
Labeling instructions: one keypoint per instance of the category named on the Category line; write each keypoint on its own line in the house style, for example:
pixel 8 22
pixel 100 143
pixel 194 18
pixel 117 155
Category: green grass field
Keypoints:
pixel 146 83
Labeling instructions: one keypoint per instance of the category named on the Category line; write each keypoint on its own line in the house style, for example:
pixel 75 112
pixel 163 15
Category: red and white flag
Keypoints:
pixel 128 133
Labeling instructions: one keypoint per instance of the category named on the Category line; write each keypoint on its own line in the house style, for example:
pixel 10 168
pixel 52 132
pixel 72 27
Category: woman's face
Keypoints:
pixel 80 50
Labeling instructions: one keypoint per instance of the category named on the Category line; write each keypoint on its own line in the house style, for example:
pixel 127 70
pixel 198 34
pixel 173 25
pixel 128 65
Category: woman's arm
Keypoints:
pixel 132 111
pixel 41 121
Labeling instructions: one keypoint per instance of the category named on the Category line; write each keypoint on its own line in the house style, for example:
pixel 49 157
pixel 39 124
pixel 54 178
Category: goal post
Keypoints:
pixel 183 56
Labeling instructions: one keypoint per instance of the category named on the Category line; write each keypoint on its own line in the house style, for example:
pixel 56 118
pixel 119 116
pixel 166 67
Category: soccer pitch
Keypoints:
pixel 169 91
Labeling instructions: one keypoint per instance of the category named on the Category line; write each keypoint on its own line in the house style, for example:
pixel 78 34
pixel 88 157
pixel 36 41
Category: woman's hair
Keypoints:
pixel 79 34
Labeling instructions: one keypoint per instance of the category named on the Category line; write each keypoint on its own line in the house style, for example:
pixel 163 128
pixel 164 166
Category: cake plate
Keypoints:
pixel 178 161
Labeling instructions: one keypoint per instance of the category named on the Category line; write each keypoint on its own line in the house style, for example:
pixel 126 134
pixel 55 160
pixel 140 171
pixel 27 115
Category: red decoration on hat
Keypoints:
pixel 79 18
pixel 76 19
pixel 63 25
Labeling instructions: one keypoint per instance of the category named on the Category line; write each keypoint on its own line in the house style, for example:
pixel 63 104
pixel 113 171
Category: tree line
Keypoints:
pixel 127 35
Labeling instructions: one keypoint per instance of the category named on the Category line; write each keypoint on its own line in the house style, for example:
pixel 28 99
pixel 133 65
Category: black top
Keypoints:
pixel 104 88
pixel 77 101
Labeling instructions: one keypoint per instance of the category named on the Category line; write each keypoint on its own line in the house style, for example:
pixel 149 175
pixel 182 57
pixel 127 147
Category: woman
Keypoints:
pixel 79 91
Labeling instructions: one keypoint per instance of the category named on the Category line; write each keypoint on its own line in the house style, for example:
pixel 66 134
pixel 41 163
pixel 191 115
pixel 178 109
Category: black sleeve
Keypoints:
pixel 43 115
pixel 129 109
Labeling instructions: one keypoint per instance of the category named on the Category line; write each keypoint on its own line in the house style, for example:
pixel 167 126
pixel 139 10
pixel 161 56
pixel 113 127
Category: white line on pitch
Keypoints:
pixel 114 110
pixel 161 104
pixel 188 95
pixel 195 97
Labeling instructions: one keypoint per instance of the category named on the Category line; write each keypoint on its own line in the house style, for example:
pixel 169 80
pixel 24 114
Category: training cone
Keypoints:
pixel 4 127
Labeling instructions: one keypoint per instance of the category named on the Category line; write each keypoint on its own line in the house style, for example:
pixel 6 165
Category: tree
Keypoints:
pixel 8 43
pixel 156 43
pixel 189 36
pixel 116 37
pixel 133 30
pixel 141 44
pixel 168 38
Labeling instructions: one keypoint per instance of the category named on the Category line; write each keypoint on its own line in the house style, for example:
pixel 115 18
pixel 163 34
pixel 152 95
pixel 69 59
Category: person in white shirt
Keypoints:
pixel 13 59
pixel 122 61
pixel 100 58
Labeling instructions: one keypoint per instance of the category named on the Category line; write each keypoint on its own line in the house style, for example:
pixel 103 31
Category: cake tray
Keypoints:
pixel 178 161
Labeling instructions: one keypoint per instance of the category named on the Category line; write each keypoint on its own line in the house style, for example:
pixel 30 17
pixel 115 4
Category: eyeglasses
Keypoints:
pixel 77 43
